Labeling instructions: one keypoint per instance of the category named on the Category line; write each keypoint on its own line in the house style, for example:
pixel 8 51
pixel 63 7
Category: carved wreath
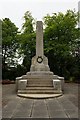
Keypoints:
pixel 39 59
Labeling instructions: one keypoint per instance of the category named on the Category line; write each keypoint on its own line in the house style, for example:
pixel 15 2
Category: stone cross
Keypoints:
pixel 39 39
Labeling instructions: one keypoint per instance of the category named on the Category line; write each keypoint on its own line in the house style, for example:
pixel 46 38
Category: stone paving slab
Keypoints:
pixel 59 107
pixel 66 103
pixel 70 109
pixel 57 114
pixel 24 109
pixel 73 99
pixel 53 104
pixel 72 113
pixel 55 109
pixel 39 109
pixel 9 109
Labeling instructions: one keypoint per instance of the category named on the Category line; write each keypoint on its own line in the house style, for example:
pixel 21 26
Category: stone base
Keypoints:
pixel 43 66
pixel 40 82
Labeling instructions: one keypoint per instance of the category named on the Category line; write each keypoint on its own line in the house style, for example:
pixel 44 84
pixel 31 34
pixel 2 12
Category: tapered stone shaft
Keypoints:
pixel 39 39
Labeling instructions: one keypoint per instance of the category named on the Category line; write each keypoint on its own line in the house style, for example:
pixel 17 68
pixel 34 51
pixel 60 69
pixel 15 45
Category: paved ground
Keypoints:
pixel 65 106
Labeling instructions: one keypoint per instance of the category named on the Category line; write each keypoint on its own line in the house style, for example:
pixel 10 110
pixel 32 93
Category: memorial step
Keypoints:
pixel 39 88
pixel 38 76
pixel 39 85
pixel 40 82
pixel 40 79
pixel 38 91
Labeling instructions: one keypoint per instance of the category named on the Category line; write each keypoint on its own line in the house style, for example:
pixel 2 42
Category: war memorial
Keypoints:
pixel 40 82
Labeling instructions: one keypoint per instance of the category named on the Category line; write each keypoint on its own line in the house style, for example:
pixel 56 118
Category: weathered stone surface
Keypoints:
pixel 24 109
pixel 22 84
pixel 39 39
pixel 35 65
pixel 8 110
pixel 39 109
pixel 62 82
pixel 57 84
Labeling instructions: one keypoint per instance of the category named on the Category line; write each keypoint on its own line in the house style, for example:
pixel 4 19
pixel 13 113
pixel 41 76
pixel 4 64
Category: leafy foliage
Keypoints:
pixel 9 41
pixel 61 45
pixel 9 45
pixel 61 42
pixel 28 23
pixel 27 40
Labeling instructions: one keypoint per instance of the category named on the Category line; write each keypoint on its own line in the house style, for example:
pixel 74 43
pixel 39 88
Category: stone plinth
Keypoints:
pixel 57 84
pixel 43 66
pixel 22 84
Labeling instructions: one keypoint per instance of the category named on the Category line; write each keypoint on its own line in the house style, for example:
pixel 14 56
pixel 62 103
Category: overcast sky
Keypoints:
pixel 15 9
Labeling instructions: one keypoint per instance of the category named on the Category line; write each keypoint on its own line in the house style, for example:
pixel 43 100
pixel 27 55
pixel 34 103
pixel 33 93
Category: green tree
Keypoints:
pixel 27 40
pixel 9 44
pixel 61 41
pixel 27 27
